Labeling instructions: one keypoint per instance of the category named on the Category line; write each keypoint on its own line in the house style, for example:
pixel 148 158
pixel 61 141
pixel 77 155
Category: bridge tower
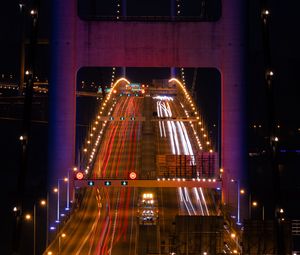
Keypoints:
pixel 77 43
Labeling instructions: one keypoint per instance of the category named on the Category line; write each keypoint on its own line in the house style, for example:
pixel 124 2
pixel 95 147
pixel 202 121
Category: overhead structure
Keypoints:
pixel 80 43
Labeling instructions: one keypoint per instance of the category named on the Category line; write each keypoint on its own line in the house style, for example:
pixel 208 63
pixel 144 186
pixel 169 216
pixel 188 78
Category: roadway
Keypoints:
pixel 106 220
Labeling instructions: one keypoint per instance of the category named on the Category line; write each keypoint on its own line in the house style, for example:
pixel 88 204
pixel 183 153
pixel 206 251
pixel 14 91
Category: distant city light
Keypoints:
pixel 33 12
pixel 266 12
pixel 28 216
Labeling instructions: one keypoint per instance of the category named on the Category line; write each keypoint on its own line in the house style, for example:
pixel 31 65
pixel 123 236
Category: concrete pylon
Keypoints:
pixel 77 43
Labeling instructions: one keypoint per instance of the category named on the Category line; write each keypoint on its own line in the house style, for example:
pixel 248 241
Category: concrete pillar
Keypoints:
pixel 233 101
pixel 62 93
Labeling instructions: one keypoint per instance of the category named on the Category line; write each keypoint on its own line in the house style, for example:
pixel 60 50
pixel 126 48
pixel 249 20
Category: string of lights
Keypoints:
pixel 97 129
pixel 178 7
pixel 118 11
pixel 200 132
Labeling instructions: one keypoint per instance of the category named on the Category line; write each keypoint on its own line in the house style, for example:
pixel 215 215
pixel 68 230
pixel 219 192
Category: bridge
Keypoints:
pixel 173 159
pixel 158 134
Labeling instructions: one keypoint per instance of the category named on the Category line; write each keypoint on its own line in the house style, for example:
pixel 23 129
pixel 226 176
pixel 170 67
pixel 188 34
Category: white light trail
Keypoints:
pixel 179 140
pixel 158 114
pixel 203 198
pixel 188 199
pixel 185 149
pixel 182 199
pixel 166 98
pixel 171 137
pixel 198 200
pixel 175 137
pixel 163 123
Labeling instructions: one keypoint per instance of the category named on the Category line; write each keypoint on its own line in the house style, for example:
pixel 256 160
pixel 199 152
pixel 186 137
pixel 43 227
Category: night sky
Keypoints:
pixel 285 54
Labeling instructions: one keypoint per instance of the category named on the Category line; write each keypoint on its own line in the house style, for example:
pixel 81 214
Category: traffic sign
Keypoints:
pixel 79 176
pixel 132 175
pixel 124 183
pixel 107 183
pixel 91 183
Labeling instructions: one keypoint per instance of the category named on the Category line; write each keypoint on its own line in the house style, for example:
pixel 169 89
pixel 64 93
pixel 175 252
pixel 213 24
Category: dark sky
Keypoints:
pixel 285 53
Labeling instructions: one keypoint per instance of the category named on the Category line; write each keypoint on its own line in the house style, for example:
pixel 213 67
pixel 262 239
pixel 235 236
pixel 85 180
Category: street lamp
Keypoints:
pixel 28 217
pixel 67 180
pixel 239 193
pixel 57 190
pixel 73 170
pixel 254 204
pixel 63 235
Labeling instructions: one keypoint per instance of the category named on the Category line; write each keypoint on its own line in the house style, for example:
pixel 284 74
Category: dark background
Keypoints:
pixel 284 43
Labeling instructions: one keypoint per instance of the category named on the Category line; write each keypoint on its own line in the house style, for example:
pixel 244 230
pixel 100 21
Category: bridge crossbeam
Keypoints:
pixel 159 183
pixel 138 118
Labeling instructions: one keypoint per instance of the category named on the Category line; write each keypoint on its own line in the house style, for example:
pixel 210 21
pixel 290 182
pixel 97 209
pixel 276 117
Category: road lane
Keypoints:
pixel 106 222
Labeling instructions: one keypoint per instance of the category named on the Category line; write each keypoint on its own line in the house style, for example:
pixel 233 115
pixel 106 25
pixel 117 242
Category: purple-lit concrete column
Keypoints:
pixel 233 103
pixel 62 91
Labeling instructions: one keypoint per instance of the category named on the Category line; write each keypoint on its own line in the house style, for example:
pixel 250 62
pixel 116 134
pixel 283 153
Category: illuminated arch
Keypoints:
pixel 182 87
pixel 115 85
pixel 190 99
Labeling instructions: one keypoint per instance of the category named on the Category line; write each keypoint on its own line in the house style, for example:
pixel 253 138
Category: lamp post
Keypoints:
pixel 57 190
pixel 34 229
pixel 28 218
pixel 239 193
pixel 255 204
pixel 47 220
pixel 63 235
pixel 68 192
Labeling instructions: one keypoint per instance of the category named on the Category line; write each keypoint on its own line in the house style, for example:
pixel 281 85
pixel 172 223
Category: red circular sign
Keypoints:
pixel 79 176
pixel 132 175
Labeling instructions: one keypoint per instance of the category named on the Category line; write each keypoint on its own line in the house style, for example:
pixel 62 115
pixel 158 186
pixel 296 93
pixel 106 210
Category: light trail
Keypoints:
pixel 182 199
pixel 171 137
pixel 203 198
pixel 180 141
pixel 112 227
pixel 187 141
pixel 198 200
pixel 183 144
pixel 188 199
pixel 114 224
pixel 175 138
